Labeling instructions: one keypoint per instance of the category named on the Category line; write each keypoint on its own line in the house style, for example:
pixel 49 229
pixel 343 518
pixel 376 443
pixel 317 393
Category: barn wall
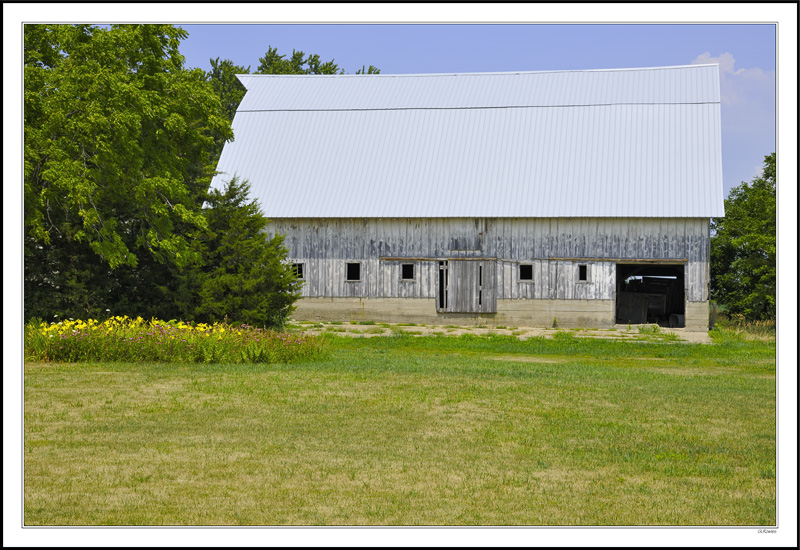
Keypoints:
pixel 553 246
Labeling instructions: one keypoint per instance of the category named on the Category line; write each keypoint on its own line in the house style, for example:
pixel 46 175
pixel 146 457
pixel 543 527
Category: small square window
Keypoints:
pixel 583 272
pixel 407 272
pixel 299 271
pixel 354 271
pixel 525 272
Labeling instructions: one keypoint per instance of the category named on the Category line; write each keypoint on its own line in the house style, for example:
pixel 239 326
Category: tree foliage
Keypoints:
pixel 118 139
pixel 368 70
pixel 297 63
pixel 120 144
pixel 230 92
pixel 118 152
pixel 244 275
pixel 743 248
pixel 222 75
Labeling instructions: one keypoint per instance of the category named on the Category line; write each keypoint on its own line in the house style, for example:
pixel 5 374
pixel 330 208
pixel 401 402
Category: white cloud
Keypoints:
pixel 725 61
pixel 747 97
pixel 737 86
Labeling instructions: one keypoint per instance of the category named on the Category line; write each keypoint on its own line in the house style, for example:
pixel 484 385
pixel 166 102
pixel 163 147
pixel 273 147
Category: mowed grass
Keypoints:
pixel 403 430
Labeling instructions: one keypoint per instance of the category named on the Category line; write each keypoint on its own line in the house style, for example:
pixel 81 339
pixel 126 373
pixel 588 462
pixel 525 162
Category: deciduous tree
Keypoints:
pixel 743 248
pixel 118 151
pixel 297 63
pixel 230 91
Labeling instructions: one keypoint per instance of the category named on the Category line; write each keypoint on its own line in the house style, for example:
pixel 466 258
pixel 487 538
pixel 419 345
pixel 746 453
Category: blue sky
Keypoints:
pixel 746 54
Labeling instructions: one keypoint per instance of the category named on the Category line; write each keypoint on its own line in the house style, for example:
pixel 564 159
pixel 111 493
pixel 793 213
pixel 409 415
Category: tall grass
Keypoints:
pixel 743 328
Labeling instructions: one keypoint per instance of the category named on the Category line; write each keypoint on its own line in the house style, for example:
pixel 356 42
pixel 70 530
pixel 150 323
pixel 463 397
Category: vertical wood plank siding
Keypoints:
pixel 326 245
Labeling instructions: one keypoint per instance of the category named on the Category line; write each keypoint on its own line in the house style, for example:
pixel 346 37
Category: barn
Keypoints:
pixel 525 198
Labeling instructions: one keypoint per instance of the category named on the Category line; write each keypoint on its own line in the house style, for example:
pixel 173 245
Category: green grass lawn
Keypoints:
pixel 398 430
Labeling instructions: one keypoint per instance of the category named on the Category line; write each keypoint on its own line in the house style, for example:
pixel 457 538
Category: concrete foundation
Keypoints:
pixel 525 313
pixel 697 316
pixel 563 313
pixel 533 313
pixel 388 310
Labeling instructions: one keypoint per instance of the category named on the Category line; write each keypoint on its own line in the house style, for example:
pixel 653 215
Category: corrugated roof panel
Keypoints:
pixel 581 151
pixel 694 83
pixel 418 163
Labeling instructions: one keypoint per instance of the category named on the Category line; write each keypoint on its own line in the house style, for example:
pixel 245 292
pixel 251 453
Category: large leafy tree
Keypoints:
pixel 119 151
pixel 117 138
pixel 120 145
pixel 244 276
pixel 743 248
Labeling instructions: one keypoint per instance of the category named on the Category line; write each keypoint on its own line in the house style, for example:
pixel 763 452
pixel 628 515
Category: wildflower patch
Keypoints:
pixel 123 338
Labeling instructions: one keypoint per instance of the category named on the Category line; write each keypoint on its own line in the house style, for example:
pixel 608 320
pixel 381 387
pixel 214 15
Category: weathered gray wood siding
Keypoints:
pixel 472 287
pixel 553 246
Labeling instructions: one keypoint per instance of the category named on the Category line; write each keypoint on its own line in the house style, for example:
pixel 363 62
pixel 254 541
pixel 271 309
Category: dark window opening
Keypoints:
pixel 442 285
pixel 583 273
pixel 480 276
pixel 354 271
pixel 525 272
pixel 298 271
pixel 407 272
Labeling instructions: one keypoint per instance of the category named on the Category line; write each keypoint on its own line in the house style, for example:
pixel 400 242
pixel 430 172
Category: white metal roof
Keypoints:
pixel 613 143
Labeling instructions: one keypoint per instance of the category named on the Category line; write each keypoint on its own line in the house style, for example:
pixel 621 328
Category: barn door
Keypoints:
pixel 466 286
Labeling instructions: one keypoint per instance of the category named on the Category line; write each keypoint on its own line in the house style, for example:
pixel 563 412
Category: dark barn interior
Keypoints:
pixel 651 293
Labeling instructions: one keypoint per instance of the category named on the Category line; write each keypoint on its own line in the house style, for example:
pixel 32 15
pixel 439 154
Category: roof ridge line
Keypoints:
pixel 470 108
pixel 490 73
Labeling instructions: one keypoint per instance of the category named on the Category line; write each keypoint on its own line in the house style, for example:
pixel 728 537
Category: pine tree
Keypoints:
pixel 244 277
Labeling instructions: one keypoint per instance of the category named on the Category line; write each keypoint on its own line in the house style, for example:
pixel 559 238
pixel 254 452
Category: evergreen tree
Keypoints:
pixel 243 276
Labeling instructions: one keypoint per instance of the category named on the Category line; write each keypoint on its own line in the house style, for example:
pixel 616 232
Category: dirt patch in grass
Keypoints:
pixel 620 332
pixel 527 359
pixel 683 371
pixel 716 371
